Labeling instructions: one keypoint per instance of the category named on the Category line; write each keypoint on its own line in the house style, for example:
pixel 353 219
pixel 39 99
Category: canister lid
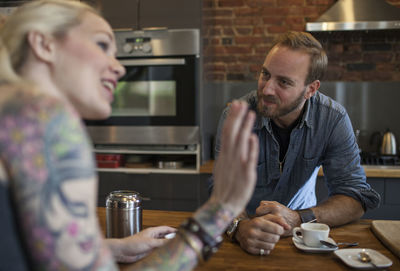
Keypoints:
pixel 123 199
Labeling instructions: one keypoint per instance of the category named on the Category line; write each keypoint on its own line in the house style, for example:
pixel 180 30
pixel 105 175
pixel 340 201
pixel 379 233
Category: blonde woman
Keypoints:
pixel 57 65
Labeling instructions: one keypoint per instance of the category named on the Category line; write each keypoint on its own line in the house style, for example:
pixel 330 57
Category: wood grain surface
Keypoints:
pixel 285 256
pixel 388 231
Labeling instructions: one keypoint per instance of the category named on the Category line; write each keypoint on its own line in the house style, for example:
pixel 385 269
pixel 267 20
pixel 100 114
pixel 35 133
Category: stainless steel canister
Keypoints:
pixel 123 213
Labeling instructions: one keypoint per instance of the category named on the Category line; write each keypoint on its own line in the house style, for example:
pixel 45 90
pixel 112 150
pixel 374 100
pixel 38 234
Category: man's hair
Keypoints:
pixel 306 42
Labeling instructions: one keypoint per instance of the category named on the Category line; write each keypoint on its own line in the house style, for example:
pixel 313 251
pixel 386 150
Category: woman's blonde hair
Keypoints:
pixel 53 17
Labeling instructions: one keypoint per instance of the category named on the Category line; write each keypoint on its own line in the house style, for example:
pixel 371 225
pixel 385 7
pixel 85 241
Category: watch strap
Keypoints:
pixel 306 215
pixel 233 228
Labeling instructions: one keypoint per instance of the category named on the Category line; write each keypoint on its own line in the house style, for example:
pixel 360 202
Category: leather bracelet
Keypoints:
pixel 210 244
pixel 195 246
pixel 306 215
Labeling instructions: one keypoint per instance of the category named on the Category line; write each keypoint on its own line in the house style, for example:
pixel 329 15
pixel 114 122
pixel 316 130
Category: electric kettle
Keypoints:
pixel 388 146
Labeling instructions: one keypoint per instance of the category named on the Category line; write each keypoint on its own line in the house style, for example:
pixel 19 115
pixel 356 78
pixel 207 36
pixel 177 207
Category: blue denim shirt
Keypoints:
pixel 323 137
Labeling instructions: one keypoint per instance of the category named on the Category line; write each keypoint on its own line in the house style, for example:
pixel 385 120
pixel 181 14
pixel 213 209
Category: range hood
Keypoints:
pixel 347 15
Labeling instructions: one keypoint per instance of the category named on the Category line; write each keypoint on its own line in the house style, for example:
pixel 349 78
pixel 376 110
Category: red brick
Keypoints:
pixel 214 50
pixel 378 57
pixel 260 3
pixel 215 41
pixel 353 48
pixel 215 68
pixel 311 11
pixel 238 50
pixel 376 76
pixel 351 76
pixel 258 30
pixel 214 31
pixel 245 12
pixel 243 30
pixel 351 57
pixel 230 3
pixel 249 40
pixel 273 20
pixel 295 20
pixel 389 67
pixel 275 11
pixel 277 29
pixel 320 2
pixel 225 59
pixel 228 31
pixel 246 21
pixel 282 3
pixel 335 48
pixel 237 68
pixel 297 27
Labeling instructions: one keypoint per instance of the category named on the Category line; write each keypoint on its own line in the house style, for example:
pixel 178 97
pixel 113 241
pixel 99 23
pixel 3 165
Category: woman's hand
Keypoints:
pixel 134 247
pixel 235 171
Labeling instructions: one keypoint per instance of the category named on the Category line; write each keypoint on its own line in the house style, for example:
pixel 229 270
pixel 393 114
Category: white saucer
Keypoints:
pixel 321 249
pixel 350 257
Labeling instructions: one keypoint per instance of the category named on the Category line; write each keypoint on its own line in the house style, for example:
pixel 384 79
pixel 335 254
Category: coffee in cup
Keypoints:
pixel 311 234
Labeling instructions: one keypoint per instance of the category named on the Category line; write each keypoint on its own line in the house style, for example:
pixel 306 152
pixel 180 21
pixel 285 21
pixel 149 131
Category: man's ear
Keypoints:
pixel 312 88
pixel 42 45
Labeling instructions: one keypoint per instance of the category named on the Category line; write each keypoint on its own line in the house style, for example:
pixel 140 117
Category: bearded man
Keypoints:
pixel 299 131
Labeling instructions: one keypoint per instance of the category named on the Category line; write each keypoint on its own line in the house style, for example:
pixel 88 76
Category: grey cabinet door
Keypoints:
pixel 152 13
pixel 171 13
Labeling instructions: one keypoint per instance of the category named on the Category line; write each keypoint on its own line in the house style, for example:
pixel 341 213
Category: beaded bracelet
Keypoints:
pixel 210 244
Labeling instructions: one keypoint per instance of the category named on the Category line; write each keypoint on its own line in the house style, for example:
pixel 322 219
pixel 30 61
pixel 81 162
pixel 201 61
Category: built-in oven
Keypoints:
pixel 154 125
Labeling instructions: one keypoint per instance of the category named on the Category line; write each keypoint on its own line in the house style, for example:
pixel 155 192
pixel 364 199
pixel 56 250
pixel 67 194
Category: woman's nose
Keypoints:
pixel 118 68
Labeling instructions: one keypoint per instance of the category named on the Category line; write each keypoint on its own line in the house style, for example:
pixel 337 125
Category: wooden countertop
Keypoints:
pixel 370 171
pixel 285 256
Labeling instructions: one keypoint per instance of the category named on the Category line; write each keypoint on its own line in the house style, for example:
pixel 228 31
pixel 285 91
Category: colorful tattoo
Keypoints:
pixel 53 182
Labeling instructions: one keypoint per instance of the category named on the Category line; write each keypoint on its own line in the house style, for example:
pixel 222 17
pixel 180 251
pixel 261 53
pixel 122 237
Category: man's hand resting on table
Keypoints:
pixel 292 218
pixel 261 232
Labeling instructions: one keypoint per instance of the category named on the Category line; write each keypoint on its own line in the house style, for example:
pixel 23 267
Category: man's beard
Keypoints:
pixel 263 110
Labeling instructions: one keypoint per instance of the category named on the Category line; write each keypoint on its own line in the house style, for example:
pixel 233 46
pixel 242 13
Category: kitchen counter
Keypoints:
pixel 285 256
pixel 371 171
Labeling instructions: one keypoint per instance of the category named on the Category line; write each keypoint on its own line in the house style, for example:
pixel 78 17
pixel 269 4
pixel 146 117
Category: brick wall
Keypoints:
pixel 238 33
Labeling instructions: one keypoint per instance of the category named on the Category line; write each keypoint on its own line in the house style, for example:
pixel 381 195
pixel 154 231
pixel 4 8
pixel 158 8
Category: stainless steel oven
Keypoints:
pixel 156 104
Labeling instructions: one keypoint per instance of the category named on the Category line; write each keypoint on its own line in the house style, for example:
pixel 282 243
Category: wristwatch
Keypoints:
pixel 232 228
pixel 306 215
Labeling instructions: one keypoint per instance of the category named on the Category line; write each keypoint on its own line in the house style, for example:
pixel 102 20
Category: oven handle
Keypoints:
pixel 152 62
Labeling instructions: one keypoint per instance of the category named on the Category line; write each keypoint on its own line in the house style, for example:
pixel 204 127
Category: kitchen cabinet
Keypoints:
pixel 174 192
pixel 152 13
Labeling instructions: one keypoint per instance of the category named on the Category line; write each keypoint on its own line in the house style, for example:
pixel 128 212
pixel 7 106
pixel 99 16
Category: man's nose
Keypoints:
pixel 268 88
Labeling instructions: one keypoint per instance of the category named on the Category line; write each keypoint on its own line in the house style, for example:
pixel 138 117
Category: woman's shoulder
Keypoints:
pixel 21 100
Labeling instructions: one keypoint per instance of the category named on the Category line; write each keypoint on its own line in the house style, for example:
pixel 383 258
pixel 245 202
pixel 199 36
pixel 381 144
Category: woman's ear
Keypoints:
pixel 42 45
pixel 312 88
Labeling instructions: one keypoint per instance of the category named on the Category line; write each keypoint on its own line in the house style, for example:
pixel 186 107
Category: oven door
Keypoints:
pixel 160 91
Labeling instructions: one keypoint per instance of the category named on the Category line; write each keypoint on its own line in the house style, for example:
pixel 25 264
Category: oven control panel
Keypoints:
pixel 159 42
pixel 134 45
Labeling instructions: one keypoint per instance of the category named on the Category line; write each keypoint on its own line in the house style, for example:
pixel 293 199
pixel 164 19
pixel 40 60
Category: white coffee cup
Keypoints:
pixel 311 234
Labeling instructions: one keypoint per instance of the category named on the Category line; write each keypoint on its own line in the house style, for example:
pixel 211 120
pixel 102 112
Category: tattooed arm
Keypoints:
pixel 235 176
pixel 53 184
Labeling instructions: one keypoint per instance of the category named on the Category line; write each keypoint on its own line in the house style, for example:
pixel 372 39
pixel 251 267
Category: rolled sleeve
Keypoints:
pixel 342 169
